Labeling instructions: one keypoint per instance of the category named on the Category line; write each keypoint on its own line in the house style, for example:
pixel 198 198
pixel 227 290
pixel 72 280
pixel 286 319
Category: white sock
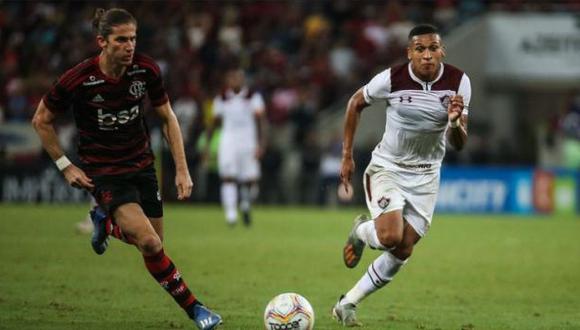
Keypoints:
pixel 92 204
pixel 368 234
pixel 380 272
pixel 254 191
pixel 245 197
pixel 230 200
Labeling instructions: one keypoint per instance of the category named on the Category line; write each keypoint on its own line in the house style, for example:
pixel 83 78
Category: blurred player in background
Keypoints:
pixel 427 101
pixel 106 93
pixel 86 226
pixel 241 113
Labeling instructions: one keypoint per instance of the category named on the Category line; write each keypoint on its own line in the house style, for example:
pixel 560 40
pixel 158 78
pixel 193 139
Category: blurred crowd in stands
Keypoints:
pixel 303 56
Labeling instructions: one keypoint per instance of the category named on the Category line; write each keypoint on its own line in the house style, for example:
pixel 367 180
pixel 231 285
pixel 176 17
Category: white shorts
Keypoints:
pixel 237 163
pixel 414 193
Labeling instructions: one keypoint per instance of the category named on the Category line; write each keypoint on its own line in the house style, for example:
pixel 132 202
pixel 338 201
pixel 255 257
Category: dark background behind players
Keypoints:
pixel 303 57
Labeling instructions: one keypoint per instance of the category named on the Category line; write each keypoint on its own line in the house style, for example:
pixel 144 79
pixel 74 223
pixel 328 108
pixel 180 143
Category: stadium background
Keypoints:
pixel 306 58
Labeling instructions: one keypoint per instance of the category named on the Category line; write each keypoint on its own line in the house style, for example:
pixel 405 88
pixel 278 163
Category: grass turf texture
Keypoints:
pixel 470 272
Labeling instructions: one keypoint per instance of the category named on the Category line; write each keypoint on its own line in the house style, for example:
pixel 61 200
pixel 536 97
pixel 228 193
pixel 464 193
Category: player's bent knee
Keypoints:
pixel 149 244
pixel 403 252
pixel 388 238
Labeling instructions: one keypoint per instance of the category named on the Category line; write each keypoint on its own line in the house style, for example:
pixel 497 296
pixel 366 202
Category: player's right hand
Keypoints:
pixel 455 107
pixel 77 178
pixel 184 184
pixel 346 170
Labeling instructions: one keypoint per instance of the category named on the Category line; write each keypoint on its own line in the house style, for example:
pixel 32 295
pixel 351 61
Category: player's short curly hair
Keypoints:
pixel 105 20
pixel 422 29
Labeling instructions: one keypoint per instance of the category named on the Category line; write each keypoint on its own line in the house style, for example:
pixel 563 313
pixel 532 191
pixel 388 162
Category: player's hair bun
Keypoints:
pixel 99 12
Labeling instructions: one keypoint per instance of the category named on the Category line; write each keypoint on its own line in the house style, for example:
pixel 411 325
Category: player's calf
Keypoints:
pixel 168 276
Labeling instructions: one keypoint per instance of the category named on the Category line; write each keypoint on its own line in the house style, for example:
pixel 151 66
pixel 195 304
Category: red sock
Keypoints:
pixel 164 271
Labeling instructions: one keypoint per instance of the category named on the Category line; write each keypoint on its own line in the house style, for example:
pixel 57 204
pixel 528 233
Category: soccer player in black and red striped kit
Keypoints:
pixel 106 94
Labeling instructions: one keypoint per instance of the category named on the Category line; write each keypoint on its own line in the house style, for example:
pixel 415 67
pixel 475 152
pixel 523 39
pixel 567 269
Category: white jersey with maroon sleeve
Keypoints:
pixel 414 137
pixel 239 137
pixel 238 111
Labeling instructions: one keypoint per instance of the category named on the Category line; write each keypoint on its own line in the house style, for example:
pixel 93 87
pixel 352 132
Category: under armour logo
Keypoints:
pixel 403 98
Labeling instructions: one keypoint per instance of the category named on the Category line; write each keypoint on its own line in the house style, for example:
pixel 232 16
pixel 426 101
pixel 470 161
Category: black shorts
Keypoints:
pixel 112 191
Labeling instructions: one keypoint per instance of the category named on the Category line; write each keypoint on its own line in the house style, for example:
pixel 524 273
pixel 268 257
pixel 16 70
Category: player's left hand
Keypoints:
pixel 77 178
pixel 183 184
pixel 455 107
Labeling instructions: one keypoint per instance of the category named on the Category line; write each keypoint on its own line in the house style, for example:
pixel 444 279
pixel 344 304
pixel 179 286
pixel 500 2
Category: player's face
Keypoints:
pixel 119 46
pixel 425 53
pixel 235 79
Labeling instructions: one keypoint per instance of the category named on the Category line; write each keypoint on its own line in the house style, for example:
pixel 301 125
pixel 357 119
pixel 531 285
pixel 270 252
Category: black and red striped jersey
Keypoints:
pixel 109 113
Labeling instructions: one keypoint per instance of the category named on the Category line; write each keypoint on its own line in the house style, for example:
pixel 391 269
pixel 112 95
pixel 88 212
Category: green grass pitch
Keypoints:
pixel 470 272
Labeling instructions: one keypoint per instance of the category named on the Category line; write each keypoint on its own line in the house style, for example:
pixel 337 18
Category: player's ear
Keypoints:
pixel 443 51
pixel 409 51
pixel 101 41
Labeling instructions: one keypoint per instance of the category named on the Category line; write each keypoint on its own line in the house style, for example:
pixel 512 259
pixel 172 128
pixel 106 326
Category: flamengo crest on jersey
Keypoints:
pixel 137 89
pixel 414 137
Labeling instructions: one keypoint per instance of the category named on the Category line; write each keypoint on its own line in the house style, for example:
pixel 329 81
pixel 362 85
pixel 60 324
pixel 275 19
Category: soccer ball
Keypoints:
pixel 289 311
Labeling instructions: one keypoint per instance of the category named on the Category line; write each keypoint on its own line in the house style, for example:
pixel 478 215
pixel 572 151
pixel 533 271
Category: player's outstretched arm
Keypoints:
pixel 355 105
pixel 43 124
pixel 457 132
pixel 173 137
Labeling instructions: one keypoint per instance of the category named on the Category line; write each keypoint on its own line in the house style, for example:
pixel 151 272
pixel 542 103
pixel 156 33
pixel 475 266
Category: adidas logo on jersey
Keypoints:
pixel 98 98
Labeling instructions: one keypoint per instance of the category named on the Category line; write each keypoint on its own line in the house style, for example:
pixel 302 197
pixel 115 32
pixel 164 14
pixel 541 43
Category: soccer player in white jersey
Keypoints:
pixel 427 103
pixel 241 113
pixel 86 225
